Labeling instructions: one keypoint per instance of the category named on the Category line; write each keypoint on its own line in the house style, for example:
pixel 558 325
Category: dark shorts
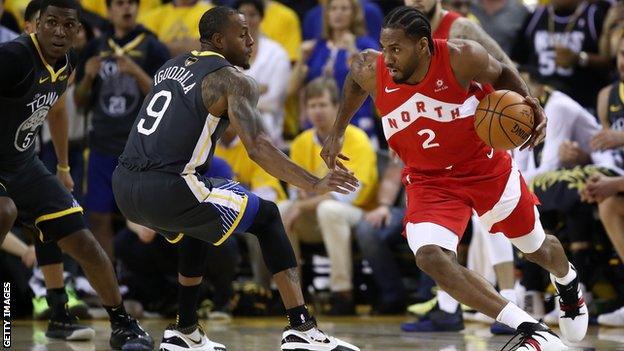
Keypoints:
pixel 208 209
pixel 42 202
pixel 99 196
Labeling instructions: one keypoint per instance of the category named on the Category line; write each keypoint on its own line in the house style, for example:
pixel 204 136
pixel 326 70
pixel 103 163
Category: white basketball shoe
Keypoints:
pixel 536 337
pixel 573 314
pixel 309 337
pixel 175 340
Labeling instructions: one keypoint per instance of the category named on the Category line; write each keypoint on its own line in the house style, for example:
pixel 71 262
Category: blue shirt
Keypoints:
pixel 313 21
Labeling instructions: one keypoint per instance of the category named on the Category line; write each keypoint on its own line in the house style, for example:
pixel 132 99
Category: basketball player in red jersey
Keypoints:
pixel 427 91
pixel 451 25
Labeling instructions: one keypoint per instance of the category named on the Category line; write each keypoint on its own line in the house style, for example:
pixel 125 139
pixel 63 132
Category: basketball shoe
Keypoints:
pixel 175 339
pixel 67 328
pixel 127 335
pixel 536 337
pixel 573 314
pixel 613 319
pixel 309 337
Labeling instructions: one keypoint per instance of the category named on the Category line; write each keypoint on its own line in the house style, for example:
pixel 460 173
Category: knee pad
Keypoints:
pixel 192 255
pixel 48 253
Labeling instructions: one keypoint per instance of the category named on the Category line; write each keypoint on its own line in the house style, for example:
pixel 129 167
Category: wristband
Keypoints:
pixel 62 168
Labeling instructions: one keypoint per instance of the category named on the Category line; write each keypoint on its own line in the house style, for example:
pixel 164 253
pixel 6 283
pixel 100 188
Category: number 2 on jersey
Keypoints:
pixel 156 114
pixel 427 144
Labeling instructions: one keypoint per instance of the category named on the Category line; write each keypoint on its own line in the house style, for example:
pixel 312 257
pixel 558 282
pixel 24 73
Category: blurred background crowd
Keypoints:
pixel 354 259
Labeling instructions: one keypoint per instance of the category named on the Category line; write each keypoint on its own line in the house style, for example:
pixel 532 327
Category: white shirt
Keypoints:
pixel 271 68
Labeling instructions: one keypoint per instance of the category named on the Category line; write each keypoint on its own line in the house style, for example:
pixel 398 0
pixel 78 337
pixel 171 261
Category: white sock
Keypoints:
pixel 509 295
pixel 568 278
pixel 446 302
pixel 513 316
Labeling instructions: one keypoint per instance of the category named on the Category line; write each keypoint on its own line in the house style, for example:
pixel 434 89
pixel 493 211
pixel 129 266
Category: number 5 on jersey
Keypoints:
pixel 156 114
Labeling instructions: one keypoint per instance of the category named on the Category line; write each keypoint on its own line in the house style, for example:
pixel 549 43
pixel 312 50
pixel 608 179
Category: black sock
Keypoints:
pixel 117 314
pixel 187 305
pixel 57 301
pixel 299 316
pixel 585 269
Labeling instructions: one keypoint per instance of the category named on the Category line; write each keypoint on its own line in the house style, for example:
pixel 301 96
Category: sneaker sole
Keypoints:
pixel 76 335
pixel 170 347
pixel 304 347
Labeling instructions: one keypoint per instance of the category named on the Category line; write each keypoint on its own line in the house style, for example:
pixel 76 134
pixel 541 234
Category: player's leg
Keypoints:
pixel 8 213
pixel 99 200
pixel 516 216
pixel 612 216
pixel 279 257
pixel 62 324
pixel 500 252
pixel 187 333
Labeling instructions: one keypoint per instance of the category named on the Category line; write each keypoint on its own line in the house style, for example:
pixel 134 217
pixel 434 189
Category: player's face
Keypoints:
pixel 253 17
pixel 340 14
pixel 56 30
pixel 321 111
pixel 238 42
pixel 402 55
pixel 620 59
pixel 123 13
pixel 425 6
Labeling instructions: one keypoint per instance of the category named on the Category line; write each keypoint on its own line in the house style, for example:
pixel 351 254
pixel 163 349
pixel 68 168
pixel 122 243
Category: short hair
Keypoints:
pixel 318 86
pixel 110 2
pixel 65 4
pixel 31 10
pixel 412 21
pixel 358 22
pixel 214 21
pixel 258 4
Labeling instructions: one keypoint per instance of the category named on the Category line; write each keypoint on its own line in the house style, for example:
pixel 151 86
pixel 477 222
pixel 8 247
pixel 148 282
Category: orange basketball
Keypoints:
pixel 503 120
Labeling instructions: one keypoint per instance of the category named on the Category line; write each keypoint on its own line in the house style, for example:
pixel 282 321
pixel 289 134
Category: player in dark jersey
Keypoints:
pixel 158 182
pixel 35 69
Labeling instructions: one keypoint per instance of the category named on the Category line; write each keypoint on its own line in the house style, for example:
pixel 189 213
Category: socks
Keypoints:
pixel 117 314
pixel 509 295
pixel 513 316
pixel 446 302
pixel 568 278
pixel 298 316
pixel 187 305
pixel 57 300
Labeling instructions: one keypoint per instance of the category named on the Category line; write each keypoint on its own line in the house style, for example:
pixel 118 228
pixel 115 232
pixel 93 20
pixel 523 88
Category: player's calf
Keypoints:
pixel 8 214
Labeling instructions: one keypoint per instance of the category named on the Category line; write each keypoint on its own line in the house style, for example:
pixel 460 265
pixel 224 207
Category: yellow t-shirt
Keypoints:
pixel 246 171
pixel 305 151
pixel 171 23
pixel 17 9
pixel 281 24
pixel 99 6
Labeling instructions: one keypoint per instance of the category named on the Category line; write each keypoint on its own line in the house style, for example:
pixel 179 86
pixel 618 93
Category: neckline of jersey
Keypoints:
pixel 53 75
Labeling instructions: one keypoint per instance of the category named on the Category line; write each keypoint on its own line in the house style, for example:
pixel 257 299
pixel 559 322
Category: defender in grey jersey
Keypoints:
pixel 158 182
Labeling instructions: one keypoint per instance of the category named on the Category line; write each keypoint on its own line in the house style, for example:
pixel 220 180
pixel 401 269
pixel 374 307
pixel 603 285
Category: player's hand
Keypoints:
pixel 607 139
pixel 379 217
pixel 600 187
pixel 29 258
pixel 331 151
pixel 66 179
pixel 92 66
pixel 571 154
pixel 127 65
pixel 338 180
pixel 564 57
pixel 539 133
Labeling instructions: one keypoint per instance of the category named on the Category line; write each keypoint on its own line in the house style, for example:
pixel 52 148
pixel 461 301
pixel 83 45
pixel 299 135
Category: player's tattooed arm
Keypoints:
pixel 242 95
pixel 464 28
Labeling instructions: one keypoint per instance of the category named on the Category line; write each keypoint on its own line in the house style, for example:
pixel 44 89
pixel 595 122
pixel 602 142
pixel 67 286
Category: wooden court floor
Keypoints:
pixel 370 333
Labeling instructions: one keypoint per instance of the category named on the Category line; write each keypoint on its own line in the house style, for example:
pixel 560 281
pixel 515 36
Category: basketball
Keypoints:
pixel 503 120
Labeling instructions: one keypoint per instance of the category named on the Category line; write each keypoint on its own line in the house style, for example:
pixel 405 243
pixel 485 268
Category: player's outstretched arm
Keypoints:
pixel 242 98
pixel 472 62
pixel 360 83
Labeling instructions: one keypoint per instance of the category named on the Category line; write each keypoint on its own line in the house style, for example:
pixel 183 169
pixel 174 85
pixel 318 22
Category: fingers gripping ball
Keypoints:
pixel 503 120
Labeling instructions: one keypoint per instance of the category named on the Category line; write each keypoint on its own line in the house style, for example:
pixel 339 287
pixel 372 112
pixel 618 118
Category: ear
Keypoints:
pixel 423 44
pixel 218 40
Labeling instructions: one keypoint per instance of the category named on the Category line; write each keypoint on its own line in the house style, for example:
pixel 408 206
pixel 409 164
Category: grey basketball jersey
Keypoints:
pixel 173 131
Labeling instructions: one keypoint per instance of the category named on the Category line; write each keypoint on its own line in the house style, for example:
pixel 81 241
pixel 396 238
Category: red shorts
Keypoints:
pixel 496 192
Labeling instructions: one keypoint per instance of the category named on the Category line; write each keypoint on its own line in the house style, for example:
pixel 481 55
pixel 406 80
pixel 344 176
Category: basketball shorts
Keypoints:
pixel 501 200
pixel 3 191
pixel 42 202
pixel 208 209
pixel 99 197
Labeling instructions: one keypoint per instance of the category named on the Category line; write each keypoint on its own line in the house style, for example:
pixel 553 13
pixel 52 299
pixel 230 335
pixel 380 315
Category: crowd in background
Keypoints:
pixel 350 247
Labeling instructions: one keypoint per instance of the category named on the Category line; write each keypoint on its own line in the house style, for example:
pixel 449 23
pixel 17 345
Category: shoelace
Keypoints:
pixel 525 338
pixel 317 335
pixel 570 310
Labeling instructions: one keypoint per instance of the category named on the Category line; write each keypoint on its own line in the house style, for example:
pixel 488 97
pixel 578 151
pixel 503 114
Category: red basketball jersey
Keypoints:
pixel 444 27
pixel 430 125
